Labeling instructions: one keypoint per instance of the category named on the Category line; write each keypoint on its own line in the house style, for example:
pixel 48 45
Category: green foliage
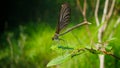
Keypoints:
pixel 92 50
pixel 59 60
pixel 31 46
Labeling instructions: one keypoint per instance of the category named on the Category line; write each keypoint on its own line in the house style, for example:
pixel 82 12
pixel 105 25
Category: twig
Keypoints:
pixel 105 19
pixel 100 34
pixel 114 56
pixel 111 9
pixel 117 23
pixel 76 26
pixel 85 19
pixel 101 30
pixel 84 10
pixel 84 15
pixel 94 51
pixel 109 53
pixel 105 11
pixel 108 15
pixel 115 26
pixel 96 13
pixel 78 5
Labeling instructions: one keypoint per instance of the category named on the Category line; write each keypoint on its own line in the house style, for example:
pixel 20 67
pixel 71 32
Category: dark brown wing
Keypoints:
pixel 63 17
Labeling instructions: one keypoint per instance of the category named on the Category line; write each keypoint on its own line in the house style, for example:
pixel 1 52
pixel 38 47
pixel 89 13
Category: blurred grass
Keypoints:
pixel 32 47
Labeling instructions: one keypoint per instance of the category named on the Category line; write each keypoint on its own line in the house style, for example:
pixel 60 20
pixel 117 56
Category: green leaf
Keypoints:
pixel 59 60
pixel 108 48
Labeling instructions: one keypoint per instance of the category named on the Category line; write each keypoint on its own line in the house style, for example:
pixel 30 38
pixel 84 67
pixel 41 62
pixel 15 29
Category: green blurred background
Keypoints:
pixel 27 26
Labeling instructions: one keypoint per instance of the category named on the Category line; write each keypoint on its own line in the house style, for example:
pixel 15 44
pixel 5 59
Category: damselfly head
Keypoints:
pixel 55 37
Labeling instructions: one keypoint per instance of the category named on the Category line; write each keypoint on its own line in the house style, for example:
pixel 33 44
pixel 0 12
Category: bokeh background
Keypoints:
pixel 27 28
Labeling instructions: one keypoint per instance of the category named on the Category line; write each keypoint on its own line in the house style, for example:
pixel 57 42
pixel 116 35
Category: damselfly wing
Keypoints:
pixel 64 18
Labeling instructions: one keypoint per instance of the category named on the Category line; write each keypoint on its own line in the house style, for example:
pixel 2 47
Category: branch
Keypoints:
pixel 110 54
pixel 84 15
pixel 84 10
pixel 78 5
pixel 115 26
pixel 101 30
pixel 96 13
pixel 105 11
pixel 105 20
pixel 117 23
pixel 93 51
pixel 109 14
pixel 76 26
pixel 100 34
pixel 111 9
pixel 114 56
